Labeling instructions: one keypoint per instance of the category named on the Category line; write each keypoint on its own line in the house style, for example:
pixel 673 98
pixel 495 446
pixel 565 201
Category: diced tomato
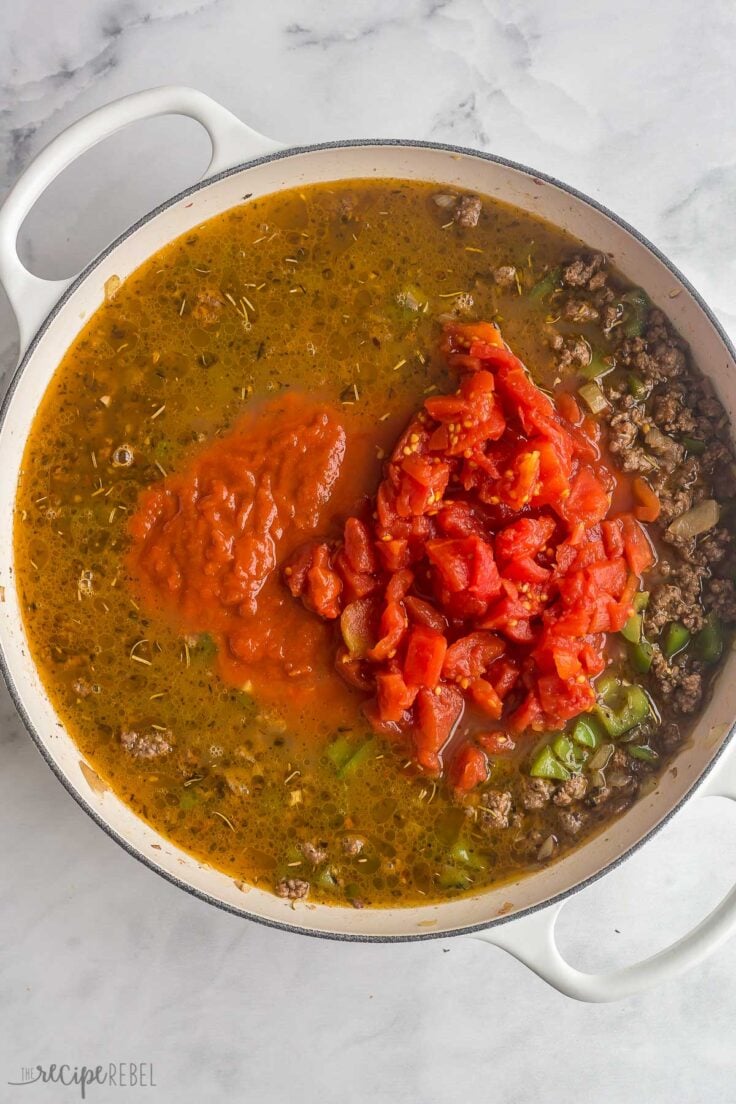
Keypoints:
pixel 470 656
pixel 355 585
pixel 495 743
pixel 637 548
pixel 425 654
pixel 465 563
pixel 451 559
pixel 458 518
pixel 421 485
pixel 511 617
pixel 526 570
pixel 609 575
pixel 591 551
pixel 485 581
pixel 649 507
pixel 619 612
pixel 517 489
pixel 437 715
pixel 600 606
pixel 359 547
pixel 503 674
pixel 485 697
pixel 296 568
pixel 445 408
pixel 393 695
pixel 515 384
pixel 566 655
pixel 575 622
pixel 386 728
pixel 588 501
pixel 593 662
pixel 563 699
pixel 394 554
pixel 527 715
pixel 323 585
pixel 459 336
pixel 568 408
pixel 526 537
pixel 613 540
pixel 399 585
pixel 469 768
pixel 394 624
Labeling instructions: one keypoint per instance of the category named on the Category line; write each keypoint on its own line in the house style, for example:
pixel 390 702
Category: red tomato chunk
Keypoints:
pixel 491 570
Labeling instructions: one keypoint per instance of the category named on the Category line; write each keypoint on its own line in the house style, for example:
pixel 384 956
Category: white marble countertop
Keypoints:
pixel 102 961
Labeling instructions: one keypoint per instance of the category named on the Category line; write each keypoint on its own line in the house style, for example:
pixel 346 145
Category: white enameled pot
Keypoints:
pixel 520 916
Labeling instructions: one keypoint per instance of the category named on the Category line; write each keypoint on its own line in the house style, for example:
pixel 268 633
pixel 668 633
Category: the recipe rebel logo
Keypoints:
pixel 115 1075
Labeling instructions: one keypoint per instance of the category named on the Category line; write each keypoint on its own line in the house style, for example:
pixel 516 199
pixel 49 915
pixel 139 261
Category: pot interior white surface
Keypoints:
pixel 467 170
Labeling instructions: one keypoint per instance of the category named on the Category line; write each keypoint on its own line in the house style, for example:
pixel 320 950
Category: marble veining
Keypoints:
pixel 101 961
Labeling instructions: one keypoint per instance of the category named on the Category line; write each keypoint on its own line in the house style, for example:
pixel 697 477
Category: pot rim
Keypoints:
pixel 40 743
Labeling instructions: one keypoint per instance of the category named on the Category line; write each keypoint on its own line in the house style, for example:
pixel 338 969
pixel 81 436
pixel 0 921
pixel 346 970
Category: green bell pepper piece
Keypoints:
pixel 641 600
pixel 547 765
pixel 641 751
pixel 463 853
pixel 638 302
pixel 632 708
pixel 544 287
pixel 637 387
pixel 693 446
pixel 640 656
pixel 676 637
pixel 452 878
pixel 365 752
pixel 597 367
pixel 586 734
pixel 709 641
pixel 632 629
pixel 339 752
pixel 570 756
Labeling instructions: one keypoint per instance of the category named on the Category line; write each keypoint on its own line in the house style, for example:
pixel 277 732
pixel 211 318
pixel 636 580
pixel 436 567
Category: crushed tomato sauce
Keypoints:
pixel 489 569
pixel 206 542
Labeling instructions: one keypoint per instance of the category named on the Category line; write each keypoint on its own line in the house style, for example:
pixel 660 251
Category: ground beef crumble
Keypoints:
pixel 673 431
pixel 495 809
pixel 293 888
pixel 536 792
pixel 147 745
pixel 467 211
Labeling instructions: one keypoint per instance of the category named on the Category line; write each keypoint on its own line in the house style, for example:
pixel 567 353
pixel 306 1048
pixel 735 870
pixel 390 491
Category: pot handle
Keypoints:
pixel 531 939
pixel 232 142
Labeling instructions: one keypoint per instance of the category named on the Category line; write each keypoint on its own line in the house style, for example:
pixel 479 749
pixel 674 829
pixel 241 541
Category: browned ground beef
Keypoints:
pixel 495 809
pixel 504 276
pixel 571 350
pixel 581 270
pixel 293 888
pixel 572 790
pixel 648 433
pixel 467 211
pixel 147 745
pixel 536 792
pixel 314 853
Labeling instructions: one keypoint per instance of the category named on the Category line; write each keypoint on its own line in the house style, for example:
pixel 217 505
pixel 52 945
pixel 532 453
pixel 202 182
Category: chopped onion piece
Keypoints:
pixel 547 848
pixel 601 757
pixel 593 396
pixel 444 200
pixel 597 780
pixel 618 779
pixel 698 520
